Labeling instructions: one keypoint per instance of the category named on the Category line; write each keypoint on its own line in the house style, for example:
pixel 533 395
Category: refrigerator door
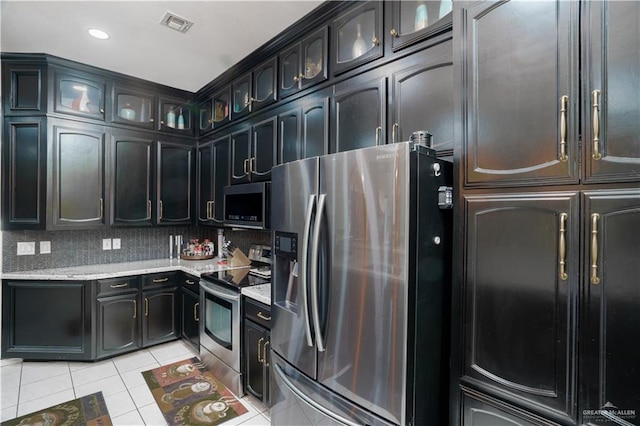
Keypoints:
pixel 363 277
pixel 293 205
pixel 298 400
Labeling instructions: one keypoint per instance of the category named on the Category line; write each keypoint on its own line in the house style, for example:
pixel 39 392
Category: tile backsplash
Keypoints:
pixel 76 248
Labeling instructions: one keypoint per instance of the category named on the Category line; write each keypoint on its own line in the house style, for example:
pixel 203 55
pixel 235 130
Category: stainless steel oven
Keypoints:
pixel 221 316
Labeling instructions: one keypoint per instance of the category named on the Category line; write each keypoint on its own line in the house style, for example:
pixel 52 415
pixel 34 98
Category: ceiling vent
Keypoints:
pixel 176 22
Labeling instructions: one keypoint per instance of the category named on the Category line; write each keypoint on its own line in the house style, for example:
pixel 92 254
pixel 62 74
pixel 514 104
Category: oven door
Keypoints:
pixel 220 322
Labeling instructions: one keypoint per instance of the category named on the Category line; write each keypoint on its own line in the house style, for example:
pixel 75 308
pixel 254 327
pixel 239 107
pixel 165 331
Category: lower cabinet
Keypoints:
pixel 257 321
pixel 46 320
pixel 160 316
pixel 117 316
pixel 190 306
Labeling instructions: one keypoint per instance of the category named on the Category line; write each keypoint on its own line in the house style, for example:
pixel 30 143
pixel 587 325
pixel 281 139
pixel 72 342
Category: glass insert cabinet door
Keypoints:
pixel 358 36
pixel 412 20
pixel 79 96
pixel 175 116
pixel 241 89
pixel 134 108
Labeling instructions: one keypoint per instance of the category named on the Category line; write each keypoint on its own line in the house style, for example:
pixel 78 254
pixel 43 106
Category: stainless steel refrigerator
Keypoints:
pixel 361 276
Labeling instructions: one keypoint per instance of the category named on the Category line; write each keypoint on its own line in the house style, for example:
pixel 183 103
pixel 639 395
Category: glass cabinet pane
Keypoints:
pixel 133 108
pixel 221 107
pixel 355 37
pixel 240 96
pixel 417 15
pixel 264 84
pixel 206 115
pixel 289 70
pixel 314 60
pixel 80 97
pixel 176 116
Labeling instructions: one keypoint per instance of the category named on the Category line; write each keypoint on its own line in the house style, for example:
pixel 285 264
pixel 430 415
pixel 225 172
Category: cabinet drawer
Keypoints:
pixel 160 279
pixel 190 282
pixel 117 285
pixel 257 312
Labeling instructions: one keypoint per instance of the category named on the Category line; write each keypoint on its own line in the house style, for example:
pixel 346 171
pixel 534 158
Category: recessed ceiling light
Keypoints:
pixel 99 34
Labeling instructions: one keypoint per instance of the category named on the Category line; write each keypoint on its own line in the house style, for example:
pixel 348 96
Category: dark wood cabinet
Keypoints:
pixel 77 176
pixel 517 133
pixel 176 170
pixel 609 311
pixel 479 410
pixel 305 63
pixel 521 287
pixel 422 96
pixel 213 176
pixel 190 307
pixel 265 83
pixel 611 91
pixel 117 319
pixel 24 157
pixel 160 310
pixel 132 171
pixel 133 107
pixel 215 111
pixel 46 320
pixel 25 88
pixel 359 113
pixel 256 349
pixel 409 22
pixel 253 151
pixel 176 116
pixel 79 94
pixel 357 36
pixel 303 131
pixel 241 97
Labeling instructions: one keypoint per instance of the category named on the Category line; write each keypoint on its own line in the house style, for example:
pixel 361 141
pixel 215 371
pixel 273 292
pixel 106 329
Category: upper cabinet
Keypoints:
pixel 265 77
pixel 412 21
pixel 357 37
pixel 133 107
pixel 176 117
pixel 520 93
pixel 80 94
pixel 24 88
pixel 253 151
pixel 305 63
pixel 611 91
pixel 215 110
pixel 175 187
pixel 241 96
pixel 303 131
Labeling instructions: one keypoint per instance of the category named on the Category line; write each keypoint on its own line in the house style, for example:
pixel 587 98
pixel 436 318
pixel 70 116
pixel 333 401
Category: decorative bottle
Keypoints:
pixel 180 120
pixel 359 46
pixel 422 19
pixel 446 6
pixel 171 119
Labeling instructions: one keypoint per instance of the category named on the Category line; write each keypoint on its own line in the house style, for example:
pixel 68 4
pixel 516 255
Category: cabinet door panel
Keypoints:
pixel 519 324
pixel 315 128
pixel 265 83
pixel 254 340
pixel 117 323
pixel 517 64
pixel 289 134
pixel 159 316
pixel 314 58
pixel 263 149
pixel 289 71
pixel 423 98
pixel 611 321
pixel 205 181
pixel 175 193
pixel 132 180
pixel 479 413
pixel 191 318
pixel 27 87
pixel 413 21
pixel 79 96
pixel 24 173
pixel 357 36
pixel 240 150
pixel 613 153
pixel 359 112
pixel 78 177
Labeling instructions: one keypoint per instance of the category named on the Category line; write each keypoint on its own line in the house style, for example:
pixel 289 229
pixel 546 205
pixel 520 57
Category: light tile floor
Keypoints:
pixel 26 387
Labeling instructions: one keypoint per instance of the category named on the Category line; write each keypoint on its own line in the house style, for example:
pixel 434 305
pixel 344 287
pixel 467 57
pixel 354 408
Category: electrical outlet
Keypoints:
pixel 106 244
pixel 115 244
pixel 45 247
pixel 26 248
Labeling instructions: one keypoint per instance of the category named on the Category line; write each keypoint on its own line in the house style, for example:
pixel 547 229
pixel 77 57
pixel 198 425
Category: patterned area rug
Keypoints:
pixel 189 395
pixel 89 410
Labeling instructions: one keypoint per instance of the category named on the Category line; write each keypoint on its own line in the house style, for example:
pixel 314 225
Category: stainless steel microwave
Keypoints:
pixel 247 205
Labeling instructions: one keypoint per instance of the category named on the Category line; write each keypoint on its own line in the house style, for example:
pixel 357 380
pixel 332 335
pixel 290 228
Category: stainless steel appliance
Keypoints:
pixel 359 288
pixel 247 205
pixel 221 316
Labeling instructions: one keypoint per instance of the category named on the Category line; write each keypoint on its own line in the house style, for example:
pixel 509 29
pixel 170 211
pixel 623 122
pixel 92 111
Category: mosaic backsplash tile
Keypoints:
pixel 77 248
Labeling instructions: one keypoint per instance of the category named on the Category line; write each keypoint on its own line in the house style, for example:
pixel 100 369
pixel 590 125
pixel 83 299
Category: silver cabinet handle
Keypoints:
pixel 160 280
pixel 596 155
pixel 261 315
pixel 394 132
pixel 260 359
pixel 563 129
pixel 562 249
pixel 594 248
pixel 196 317
pixel 119 285
pixel 378 131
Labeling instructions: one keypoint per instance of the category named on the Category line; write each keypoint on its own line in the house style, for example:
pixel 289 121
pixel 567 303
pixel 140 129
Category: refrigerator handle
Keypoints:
pixel 315 308
pixel 302 276
pixel 300 394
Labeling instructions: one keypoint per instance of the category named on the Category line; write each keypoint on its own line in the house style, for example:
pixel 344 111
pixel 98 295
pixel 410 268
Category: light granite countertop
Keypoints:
pixel 113 270
pixel 261 293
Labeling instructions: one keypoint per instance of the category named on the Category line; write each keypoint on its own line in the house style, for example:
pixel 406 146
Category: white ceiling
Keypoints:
pixel 223 33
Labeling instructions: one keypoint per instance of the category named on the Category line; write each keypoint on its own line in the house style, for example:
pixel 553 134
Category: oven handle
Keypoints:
pixel 220 292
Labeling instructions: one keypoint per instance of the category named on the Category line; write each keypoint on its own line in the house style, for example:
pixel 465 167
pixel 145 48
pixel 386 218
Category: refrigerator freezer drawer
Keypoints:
pixel 297 400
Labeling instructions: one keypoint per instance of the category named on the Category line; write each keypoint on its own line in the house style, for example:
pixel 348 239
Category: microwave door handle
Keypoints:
pixel 302 276
pixel 314 273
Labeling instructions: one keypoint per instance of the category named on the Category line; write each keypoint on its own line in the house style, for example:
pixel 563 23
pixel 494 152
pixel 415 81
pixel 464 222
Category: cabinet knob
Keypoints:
pixel 394 32
pixel 375 41
pixel 295 78
pixel 101 110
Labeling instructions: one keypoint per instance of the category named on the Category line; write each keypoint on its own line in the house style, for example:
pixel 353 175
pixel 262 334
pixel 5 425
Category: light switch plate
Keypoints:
pixel 115 244
pixel 45 247
pixel 25 248
pixel 106 244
